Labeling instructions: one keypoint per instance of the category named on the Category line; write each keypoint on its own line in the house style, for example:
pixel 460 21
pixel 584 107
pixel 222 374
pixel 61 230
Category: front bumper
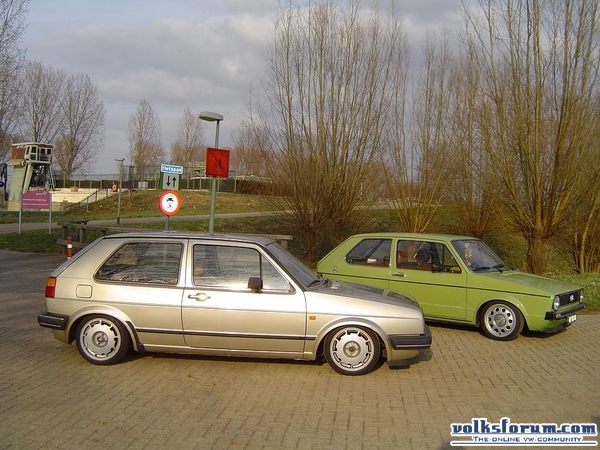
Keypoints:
pixel 54 321
pixel 414 342
pixel 564 312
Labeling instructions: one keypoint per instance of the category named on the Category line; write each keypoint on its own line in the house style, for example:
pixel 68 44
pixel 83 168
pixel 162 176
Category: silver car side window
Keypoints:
pixel 230 267
pixel 143 262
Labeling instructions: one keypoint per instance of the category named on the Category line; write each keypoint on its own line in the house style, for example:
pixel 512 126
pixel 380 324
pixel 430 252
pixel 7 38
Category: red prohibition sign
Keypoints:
pixel 169 202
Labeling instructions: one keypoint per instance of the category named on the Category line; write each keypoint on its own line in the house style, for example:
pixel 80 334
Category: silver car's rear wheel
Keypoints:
pixel 352 350
pixel 102 340
pixel 501 321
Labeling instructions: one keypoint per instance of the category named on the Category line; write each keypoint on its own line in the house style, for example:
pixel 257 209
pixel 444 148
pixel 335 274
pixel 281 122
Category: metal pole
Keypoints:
pixel 119 190
pixel 213 190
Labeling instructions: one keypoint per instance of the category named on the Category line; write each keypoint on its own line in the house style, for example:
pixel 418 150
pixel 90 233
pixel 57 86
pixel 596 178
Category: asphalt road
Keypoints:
pixel 50 398
pixel 14 227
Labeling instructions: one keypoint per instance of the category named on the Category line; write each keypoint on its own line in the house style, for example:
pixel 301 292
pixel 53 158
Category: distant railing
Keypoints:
pixel 238 184
pixel 75 234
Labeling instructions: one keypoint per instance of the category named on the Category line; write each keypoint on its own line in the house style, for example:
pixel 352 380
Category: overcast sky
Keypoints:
pixel 200 54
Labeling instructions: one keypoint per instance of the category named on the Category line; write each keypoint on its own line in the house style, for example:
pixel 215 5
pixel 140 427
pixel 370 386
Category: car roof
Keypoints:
pixel 247 238
pixel 422 236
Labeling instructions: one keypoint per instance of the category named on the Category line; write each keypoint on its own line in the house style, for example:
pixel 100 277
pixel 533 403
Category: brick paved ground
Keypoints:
pixel 50 398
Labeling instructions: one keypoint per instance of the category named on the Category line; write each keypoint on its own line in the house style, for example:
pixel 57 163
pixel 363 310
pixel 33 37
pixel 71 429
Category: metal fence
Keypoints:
pixel 107 181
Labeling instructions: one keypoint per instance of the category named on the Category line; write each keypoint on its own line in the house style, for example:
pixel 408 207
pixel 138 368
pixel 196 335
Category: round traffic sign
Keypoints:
pixel 169 202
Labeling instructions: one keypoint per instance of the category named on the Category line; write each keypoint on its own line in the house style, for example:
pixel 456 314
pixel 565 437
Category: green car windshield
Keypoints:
pixel 477 256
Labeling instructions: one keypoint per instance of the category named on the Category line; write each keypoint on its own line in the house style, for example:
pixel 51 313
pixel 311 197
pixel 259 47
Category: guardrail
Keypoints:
pixel 81 227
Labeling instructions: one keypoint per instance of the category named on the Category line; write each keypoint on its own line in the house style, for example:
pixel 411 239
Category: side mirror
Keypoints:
pixel 255 284
pixel 436 267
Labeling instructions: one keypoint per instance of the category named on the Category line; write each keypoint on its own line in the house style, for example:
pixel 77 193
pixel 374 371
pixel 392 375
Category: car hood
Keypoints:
pixel 365 296
pixel 521 282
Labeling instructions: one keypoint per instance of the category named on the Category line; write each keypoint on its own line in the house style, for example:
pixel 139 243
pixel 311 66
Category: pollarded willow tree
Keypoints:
pixel 539 63
pixel 330 74
pixel 470 184
pixel 418 147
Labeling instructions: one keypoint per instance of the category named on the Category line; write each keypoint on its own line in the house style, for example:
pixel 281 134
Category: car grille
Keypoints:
pixel 569 298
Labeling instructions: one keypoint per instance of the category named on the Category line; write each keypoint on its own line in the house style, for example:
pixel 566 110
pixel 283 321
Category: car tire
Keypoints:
pixel 352 350
pixel 102 340
pixel 501 321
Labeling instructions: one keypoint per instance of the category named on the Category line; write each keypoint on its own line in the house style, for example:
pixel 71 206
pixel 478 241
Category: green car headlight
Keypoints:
pixel 556 303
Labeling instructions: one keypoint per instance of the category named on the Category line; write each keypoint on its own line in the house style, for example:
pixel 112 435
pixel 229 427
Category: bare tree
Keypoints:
pixel 539 63
pixel 42 102
pixel 188 150
pixel 581 234
pixel 83 126
pixel 470 182
pixel 248 158
pixel 145 146
pixel 414 173
pixel 12 60
pixel 330 74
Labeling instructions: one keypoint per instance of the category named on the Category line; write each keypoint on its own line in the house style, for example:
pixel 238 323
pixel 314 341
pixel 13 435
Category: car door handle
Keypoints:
pixel 398 274
pixel 199 297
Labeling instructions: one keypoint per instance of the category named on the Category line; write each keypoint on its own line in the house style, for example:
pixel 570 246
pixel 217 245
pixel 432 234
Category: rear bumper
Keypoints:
pixel 565 312
pixel 54 321
pixel 414 342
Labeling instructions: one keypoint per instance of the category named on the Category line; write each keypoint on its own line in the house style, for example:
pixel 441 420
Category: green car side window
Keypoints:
pixel 371 252
pixel 414 255
pixel 424 255
pixel 448 262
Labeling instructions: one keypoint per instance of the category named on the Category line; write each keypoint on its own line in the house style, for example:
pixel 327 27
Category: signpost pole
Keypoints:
pixel 50 215
pixel 20 210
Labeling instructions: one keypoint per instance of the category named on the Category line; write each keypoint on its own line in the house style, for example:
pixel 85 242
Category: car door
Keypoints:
pixel 221 314
pixel 428 272
pixel 368 262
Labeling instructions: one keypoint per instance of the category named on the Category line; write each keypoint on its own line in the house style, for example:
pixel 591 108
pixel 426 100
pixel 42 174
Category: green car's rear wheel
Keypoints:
pixel 501 321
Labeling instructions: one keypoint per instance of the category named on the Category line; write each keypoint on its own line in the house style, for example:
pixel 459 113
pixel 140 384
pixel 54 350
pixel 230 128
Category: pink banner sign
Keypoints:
pixel 39 199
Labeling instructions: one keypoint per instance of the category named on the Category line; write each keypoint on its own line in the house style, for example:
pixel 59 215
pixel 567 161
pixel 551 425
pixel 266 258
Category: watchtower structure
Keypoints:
pixel 30 169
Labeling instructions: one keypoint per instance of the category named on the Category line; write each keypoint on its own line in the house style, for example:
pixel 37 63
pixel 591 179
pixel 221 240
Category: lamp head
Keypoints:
pixel 210 116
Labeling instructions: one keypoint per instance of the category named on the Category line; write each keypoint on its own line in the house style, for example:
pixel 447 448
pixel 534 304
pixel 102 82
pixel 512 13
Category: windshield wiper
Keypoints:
pixel 498 267
pixel 316 282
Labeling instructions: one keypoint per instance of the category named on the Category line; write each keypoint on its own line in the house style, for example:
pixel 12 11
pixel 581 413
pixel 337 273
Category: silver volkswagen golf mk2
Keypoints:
pixel 223 295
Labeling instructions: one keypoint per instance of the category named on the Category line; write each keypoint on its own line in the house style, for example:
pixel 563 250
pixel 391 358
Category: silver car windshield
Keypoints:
pixel 477 256
pixel 295 268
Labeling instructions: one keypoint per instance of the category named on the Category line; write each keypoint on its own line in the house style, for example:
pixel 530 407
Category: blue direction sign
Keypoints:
pixel 170 168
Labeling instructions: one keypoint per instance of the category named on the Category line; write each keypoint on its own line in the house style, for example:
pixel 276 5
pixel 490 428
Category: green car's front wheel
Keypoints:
pixel 501 321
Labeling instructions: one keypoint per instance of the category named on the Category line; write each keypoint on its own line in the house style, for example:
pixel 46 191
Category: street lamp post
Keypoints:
pixel 120 161
pixel 212 117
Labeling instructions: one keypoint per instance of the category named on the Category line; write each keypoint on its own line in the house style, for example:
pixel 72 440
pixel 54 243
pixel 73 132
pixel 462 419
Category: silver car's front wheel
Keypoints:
pixel 501 321
pixel 102 340
pixel 352 350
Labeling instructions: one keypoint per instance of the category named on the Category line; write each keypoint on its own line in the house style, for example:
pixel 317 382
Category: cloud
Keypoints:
pixel 188 53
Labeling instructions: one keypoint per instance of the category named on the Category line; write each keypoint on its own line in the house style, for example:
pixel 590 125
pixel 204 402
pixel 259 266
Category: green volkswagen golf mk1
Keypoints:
pixel 456 279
